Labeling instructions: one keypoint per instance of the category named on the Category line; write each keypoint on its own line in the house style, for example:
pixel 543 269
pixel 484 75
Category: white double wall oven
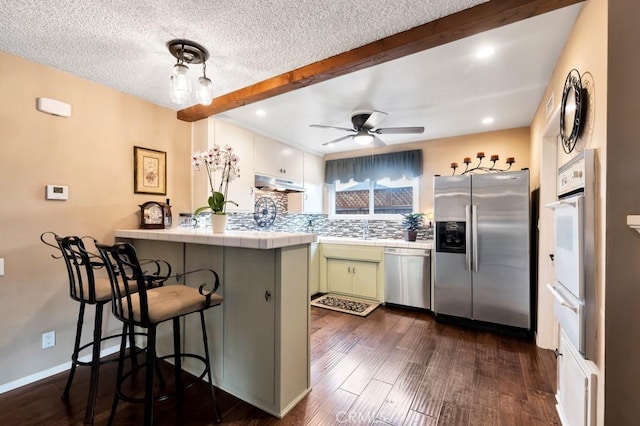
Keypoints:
pixel 574 287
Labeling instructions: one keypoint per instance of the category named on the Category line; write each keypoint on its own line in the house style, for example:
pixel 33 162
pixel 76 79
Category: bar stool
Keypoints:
pixel 87 289
pixel 147 308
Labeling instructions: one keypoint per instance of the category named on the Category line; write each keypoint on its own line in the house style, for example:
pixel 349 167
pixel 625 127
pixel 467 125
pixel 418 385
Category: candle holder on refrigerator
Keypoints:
pixel 480 168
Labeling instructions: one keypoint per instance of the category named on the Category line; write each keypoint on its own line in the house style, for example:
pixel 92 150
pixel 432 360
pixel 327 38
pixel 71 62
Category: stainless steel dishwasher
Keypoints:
pixel 408 277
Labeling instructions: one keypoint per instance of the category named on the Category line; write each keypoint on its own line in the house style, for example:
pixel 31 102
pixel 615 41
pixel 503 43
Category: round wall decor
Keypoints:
pixel 572 110
pixel 265 212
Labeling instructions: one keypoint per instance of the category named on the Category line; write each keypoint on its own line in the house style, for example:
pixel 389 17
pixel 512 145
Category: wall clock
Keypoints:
pixel 572 110
pixel 152 215
pixel 265 212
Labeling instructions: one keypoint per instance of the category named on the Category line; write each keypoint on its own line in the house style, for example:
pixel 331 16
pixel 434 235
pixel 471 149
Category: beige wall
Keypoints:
pixel 92 153
pixel 438 154
pixel 586 51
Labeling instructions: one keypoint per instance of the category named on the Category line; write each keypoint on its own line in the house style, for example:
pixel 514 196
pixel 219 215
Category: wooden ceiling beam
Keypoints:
pixel 475 20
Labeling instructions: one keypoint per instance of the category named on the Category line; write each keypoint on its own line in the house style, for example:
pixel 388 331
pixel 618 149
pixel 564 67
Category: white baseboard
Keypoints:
pixel 53 370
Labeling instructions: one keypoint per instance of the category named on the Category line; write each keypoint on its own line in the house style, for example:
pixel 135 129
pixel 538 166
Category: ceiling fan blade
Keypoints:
pixel 377 142
pixel 321 126
pixel 398 130
pixel 337 140
pixel 374 119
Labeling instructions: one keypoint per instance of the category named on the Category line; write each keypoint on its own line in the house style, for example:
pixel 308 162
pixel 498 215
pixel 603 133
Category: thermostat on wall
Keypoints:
pixel 57 192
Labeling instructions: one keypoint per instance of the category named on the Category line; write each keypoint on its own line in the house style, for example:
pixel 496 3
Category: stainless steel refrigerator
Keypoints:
pixel 482 246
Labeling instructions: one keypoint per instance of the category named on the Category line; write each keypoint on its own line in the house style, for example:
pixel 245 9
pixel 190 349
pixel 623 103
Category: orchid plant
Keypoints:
pixel 213 160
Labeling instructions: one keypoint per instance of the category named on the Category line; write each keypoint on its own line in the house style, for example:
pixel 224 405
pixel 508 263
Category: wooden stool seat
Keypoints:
pixel 167 302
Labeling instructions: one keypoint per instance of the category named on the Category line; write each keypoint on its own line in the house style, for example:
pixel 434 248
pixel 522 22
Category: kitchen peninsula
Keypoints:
pixel 259 337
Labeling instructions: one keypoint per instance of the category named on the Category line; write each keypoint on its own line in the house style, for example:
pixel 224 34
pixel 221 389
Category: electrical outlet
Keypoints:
pixel 48 339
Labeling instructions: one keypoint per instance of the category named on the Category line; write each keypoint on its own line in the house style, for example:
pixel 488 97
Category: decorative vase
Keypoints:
pixel 218 223
pixel 410 235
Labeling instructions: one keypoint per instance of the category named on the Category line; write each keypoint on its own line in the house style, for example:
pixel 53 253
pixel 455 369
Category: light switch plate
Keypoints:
pixel 57 192
pixel 1 266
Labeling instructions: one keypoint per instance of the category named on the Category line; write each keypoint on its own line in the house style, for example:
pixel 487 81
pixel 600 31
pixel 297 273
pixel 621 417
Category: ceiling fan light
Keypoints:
pixel 204 92
pixel 179 85
pixel 363 138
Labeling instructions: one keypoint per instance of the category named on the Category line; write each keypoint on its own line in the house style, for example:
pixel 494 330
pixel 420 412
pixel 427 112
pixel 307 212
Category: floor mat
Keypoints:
pixel 349 305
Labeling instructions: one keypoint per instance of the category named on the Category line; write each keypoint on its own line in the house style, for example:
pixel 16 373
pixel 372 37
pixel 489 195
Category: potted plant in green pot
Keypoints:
pixel 224 160
pixel 411 222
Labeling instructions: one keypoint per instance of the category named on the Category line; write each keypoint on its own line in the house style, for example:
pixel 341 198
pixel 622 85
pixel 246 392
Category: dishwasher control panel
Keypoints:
pixel 407 252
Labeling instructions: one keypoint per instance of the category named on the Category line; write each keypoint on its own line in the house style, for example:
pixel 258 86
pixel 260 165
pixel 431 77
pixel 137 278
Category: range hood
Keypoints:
pixel 268 183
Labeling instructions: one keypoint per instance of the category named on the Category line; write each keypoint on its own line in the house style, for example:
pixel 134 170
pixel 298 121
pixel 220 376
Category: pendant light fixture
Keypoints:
pixel 180 89
pixel 204 93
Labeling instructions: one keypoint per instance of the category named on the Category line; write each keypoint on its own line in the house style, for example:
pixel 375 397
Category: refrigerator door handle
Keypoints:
pixel 467 252
pixel 474 236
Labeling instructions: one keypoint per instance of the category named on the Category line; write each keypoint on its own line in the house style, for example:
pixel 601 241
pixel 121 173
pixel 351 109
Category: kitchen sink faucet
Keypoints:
pixel 365 229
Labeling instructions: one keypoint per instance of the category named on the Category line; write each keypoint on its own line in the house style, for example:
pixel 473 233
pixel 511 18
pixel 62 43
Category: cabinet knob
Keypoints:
pixel 267 295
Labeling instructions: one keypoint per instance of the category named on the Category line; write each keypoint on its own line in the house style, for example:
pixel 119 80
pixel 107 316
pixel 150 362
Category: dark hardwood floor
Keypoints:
pixel 395 367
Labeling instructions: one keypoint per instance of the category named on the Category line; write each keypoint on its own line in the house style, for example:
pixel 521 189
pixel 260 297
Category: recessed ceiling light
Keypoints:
pixel 485 52
pixel 261 112
pixel 487 120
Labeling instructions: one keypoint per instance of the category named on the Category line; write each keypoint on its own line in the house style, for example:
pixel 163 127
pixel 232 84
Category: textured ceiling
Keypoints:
pixel 122 43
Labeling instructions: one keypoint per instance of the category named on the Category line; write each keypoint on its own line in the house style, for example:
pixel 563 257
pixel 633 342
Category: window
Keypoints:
pixel 380 186
pixel 384 197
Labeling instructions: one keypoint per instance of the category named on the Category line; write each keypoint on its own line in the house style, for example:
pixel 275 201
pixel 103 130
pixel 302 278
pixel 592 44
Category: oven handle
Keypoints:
pixel 568 202
pixel 560 298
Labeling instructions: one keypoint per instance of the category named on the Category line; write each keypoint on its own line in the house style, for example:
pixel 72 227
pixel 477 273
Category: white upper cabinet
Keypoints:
pixel 273 158
pixel 313 183
pixel 311 200
pixel 221 133
pixel 241 140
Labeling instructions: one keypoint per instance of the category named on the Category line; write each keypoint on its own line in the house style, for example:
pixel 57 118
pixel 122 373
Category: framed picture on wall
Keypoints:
pixel 149 171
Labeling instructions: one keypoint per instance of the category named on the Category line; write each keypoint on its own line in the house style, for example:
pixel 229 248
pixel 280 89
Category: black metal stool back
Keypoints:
pixel 80 267
pixel 129 284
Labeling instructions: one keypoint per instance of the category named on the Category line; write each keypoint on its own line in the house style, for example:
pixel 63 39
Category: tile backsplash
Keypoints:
pixel 323 226
pixel 320 223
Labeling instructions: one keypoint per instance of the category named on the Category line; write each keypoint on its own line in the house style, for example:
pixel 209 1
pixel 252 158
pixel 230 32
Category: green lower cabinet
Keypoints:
pixel 352 277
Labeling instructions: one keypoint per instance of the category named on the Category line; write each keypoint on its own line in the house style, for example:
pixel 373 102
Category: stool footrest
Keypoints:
pixel 164 396
pixel 75 360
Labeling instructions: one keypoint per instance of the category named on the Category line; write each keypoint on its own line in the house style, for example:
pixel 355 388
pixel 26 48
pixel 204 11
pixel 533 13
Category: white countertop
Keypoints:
pixel 420 244
pixel 258 239
pixel 247 239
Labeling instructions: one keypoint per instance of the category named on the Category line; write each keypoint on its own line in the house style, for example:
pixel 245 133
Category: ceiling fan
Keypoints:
pixel 365 128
